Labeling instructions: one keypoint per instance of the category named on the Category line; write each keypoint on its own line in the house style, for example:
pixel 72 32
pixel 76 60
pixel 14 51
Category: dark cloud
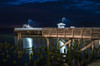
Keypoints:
pixel 19 2
pixel 88 5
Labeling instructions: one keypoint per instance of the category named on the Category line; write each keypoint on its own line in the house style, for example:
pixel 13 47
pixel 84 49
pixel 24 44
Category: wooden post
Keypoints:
pixel 57 32
pixel 81 33
pixel 58 39
pixel 64 32
pixel 99 42
pixel 79 44
pixel 50 32
pixel 79 41
pixel 73 32
pixel 19 37
pixel 73 40
pixel 91 33
pixel 20 40
pixel 69 44
pixel 48 42
pixel 93 46
pixel 42 31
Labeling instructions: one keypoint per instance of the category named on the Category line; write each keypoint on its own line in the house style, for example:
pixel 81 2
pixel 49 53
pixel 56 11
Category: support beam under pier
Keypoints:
pixel 19 37
pixel 69 42
pixel 48 42
pixel 92 43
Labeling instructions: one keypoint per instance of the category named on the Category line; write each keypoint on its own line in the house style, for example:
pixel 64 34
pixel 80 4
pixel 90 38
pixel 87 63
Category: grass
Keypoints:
pixel 15 55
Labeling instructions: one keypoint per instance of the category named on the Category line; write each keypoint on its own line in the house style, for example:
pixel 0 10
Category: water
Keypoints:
pixel 28 42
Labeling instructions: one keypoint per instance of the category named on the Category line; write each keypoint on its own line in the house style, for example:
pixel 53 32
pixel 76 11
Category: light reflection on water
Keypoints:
pixel 29 42
pixel 38 42
pixel 64 47
pixel 41 42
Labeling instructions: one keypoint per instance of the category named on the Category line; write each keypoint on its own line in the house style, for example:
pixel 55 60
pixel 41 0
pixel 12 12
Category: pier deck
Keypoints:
pixel 81 33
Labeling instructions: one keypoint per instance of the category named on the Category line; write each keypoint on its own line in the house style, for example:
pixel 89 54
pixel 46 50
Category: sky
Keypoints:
pixel 47 13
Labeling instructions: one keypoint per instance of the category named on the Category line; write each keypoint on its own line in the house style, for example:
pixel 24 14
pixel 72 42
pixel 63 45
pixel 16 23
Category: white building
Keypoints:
pixel 27 26
pixel 61 25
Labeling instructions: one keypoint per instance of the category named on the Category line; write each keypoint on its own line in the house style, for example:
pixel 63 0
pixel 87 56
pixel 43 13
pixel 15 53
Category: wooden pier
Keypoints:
pixel 80 33
pixel 68 33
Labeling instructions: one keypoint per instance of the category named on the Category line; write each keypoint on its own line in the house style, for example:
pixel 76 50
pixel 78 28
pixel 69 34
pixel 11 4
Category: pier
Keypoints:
pixel 67 33
pixel 71 33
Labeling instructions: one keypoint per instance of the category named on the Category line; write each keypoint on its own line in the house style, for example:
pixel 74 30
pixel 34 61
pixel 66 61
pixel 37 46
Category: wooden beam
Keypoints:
pixel 87 46
pixel 48 42
pixel 19 37
pixel 64 32
pixel 58 40
pixel 81 33
pixel 50 32
pixel 42 31
pixel 99 42
pixel 57 32
pixel 73 40
pixel 92 45
pixel 69 44
pixel 65 44
pixel 79 41
pixel 91 33
pixel 72 33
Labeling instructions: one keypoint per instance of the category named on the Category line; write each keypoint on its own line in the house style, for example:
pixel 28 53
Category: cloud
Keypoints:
pixel 19 2
pixel 88 5
pixel 98 12
pixel 29 1
pixel 90 8
pixel 66 6
pixel 84 3
pixel 97 4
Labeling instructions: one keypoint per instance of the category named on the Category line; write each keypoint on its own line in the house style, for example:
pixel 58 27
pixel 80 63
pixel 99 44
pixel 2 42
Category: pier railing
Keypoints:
pixel 27 29
pixel 91 33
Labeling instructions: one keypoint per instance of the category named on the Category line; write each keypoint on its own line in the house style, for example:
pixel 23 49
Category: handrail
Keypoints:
pixel 28 29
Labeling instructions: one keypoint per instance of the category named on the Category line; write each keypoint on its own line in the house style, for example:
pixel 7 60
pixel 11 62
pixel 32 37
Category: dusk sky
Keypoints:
pixel 47 13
